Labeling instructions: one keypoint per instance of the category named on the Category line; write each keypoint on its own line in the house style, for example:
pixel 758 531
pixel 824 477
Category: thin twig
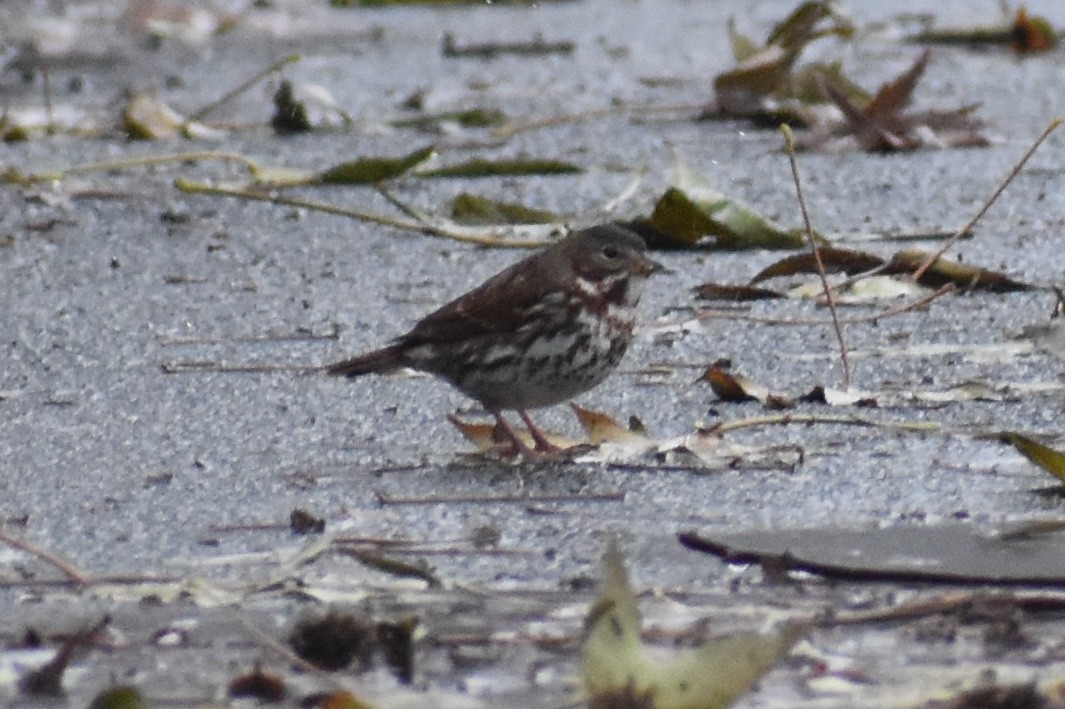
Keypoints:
pixel 806 419
pixel 73 573
pixel 871 317
pixel 49 111
pixel 386 499
pixel 200 366
pixel 492 240
pixel 789 139
pixel 515 128
pixel 286 652
pixel 275 67
pixel 252 339
pixel 949 243
pixel 111 165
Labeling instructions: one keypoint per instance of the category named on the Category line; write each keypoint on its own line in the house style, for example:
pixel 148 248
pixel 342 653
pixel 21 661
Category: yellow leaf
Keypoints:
pixel 1050 460
pixel 710 676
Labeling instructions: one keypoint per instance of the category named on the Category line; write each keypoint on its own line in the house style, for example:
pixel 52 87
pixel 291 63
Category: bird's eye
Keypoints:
pixel 611 251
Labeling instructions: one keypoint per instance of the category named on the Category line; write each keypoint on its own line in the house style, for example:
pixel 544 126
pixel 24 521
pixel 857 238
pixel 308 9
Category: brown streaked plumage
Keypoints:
pixel 538 333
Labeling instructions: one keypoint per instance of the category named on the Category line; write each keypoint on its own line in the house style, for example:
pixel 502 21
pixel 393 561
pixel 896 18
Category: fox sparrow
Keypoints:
pixel 540 332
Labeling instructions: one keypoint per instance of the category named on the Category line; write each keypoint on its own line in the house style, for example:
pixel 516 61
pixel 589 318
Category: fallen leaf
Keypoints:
pixel 616 664
pixel 484 436
pixel 303 522
pixel 480 167
pixel 736 388
pixel 47 681
pixel 334 640
pixel 300 108
pixel 839 397
pixel 119 698
pixel 882 124
pixel 693 209
pixel 469 118
pixel 1047 458
pixel 266 688
pixel 944 271
pixel 473 210
pixel 833 259
pixel 763 84
pixel 1023 33
pixel 371 170
pixel 726 292
pixel 336 700
pixel 148 118
pixel 601 428
pixel 1030 35
pixel 1018 696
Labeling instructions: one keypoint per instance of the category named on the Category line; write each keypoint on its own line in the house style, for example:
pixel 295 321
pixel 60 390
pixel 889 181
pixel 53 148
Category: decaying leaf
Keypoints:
pixel 147 117
pixel 1024 34
pixel 488 440
pixel 880 288
pixel 474 210
pixel 602 428
pixel 335 700
pixel 732 293
pixel 395 639
pixel 942 272
pixel 945 271
pixel 336 640
pixel 764 83
pixel 839 397
pixel 396 567
pixel 615 663
pixel 123 697
pixel 833 259
pixel 1047 458
pixel 608 441
pixel 1030 35
pixel 736 388
pixel 333 640
pixel 693 209
pixel 1017 696
pixel 372 170
pixel 504 167
pixel 300 521
pixel 47 681
pixel 883 125
pixel 264 687
pixel 537 46
pixel 300 108
pixel 469 118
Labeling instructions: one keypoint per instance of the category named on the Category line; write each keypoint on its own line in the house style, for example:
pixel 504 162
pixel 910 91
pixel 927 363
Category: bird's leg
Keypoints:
pixel 539 437
pixel 520 447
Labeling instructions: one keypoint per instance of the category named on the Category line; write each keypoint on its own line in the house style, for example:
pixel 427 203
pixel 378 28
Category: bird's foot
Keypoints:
pixel 542 448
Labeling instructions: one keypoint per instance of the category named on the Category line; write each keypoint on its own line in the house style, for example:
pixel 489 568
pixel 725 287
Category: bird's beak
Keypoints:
pixel 649 267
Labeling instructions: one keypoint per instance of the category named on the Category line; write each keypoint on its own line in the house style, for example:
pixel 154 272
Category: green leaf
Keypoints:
pixel 480 167
pixel 474 210
pixel 734 225
pixel 472 118
pixel 369 171
pixel 1050 460
pixel 119 698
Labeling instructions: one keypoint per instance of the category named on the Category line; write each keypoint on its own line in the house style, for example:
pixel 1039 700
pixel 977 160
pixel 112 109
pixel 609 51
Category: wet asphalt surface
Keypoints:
pixel 125 467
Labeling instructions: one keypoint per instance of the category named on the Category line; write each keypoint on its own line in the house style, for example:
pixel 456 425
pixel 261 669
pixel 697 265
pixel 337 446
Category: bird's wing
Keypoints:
pixel 499 305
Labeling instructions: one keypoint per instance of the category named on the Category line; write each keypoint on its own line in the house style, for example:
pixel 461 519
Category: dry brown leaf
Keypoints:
pixel 883 125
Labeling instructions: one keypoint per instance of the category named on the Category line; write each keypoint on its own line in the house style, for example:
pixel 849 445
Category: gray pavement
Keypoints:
pixel 124 469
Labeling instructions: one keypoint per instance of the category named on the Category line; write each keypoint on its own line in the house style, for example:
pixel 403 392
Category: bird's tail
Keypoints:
pixel 379 361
